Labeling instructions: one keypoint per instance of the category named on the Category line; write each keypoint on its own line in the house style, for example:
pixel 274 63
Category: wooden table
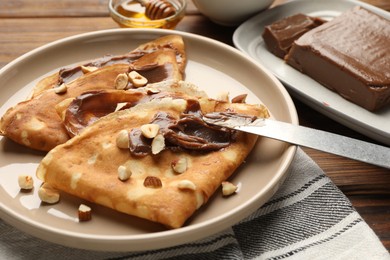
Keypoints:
pixel 27 24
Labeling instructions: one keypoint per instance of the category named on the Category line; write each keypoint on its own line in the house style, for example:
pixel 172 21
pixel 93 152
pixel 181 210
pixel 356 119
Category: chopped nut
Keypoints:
pixel 150 130
pixel 122 139
pixel 88 69
pixel 120 106
pixel 152 182
pixel 239 99
pixel 26 182
pixel 228 188
pixel 158 144
pixel 121 81
pixel 179 165
pixel 137 79
pixel 84 213
pixel 124 173
pixel 48 194
pixel 151 91
pixel 199 199
pixel 186 185
pixel 61 89
pixel 223 96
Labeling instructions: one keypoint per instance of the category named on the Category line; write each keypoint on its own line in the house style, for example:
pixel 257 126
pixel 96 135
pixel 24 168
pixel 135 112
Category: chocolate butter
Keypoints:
pixel 192 133
pixel 71 73
pixel 280 35
pixel 138 144
pixel 349 55
pixel 90 106
pixel 156 73
pixel 189 133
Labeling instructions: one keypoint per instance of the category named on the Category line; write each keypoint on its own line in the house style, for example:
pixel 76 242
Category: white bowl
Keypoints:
pixel 231 12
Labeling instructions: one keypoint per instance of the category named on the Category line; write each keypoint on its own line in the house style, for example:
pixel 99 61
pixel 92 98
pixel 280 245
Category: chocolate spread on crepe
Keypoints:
pixel 90 106
pixel 35 122
pixel 153 72
pixel 85 109
pixel 66 75
pixel 189 132
pixel 87 165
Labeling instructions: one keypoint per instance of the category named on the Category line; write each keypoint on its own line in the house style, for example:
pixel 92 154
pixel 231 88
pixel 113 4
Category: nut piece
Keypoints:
pixel 186 185
pixel 223 96
pixel 84 213
pixel 124 173
pixel 48 194
pixel 26 182
pixel 121 81
pixel 122 139
pixel 137 79
pixel 240 98
pixel 158 144
pixel 61 89
pixel 88 69
pixel 120 106
pixel 152 182
pixel 179 165
pixel 151 91
pixel 228 188
pixel 150 130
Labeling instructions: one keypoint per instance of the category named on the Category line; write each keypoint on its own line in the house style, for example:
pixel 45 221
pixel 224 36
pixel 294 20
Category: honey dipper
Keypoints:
pixel 157 9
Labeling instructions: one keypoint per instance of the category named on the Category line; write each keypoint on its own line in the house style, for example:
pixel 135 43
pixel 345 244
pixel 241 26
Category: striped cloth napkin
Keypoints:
pixel 308 218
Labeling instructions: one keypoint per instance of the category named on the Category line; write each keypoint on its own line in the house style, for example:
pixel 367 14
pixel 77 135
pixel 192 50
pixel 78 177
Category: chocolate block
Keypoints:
pixel 349 55
pixel 280 35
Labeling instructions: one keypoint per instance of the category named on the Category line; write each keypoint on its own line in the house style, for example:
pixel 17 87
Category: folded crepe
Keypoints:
pixel 35 123
pixel 65 75
pixel 89 165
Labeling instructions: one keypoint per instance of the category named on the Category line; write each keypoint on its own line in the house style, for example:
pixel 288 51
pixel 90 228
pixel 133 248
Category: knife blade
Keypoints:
pixel 308 137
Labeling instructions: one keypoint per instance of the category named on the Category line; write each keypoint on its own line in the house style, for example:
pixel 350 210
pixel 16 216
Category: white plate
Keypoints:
pixel 248 39
pixel 214 67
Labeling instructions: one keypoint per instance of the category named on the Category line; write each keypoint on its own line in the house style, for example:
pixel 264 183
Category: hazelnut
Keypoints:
pixel 179 165
pixel 228 188
pixel 158 144
pixel 124 173
pixel 88 69
pixel 223 96
pixel 26 182
pixel 120 106
pixel 240 98
pixel 121 81
pixel 150 130
pixel 48 194
pixel 152 182
pixel 137 79
pixel 151 91
pixel 84 213
pixel 186 185
pixel 61 89
pixel 122 139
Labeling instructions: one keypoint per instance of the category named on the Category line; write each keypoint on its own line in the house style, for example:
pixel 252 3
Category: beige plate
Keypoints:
pixel 214 67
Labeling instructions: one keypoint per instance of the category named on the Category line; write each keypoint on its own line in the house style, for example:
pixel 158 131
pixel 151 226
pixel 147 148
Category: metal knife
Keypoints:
pixel 308 137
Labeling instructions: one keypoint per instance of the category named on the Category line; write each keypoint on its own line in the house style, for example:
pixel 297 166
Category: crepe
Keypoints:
pixel 80 112
pixel 87 166
pixel 35 123
pixel 65 75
